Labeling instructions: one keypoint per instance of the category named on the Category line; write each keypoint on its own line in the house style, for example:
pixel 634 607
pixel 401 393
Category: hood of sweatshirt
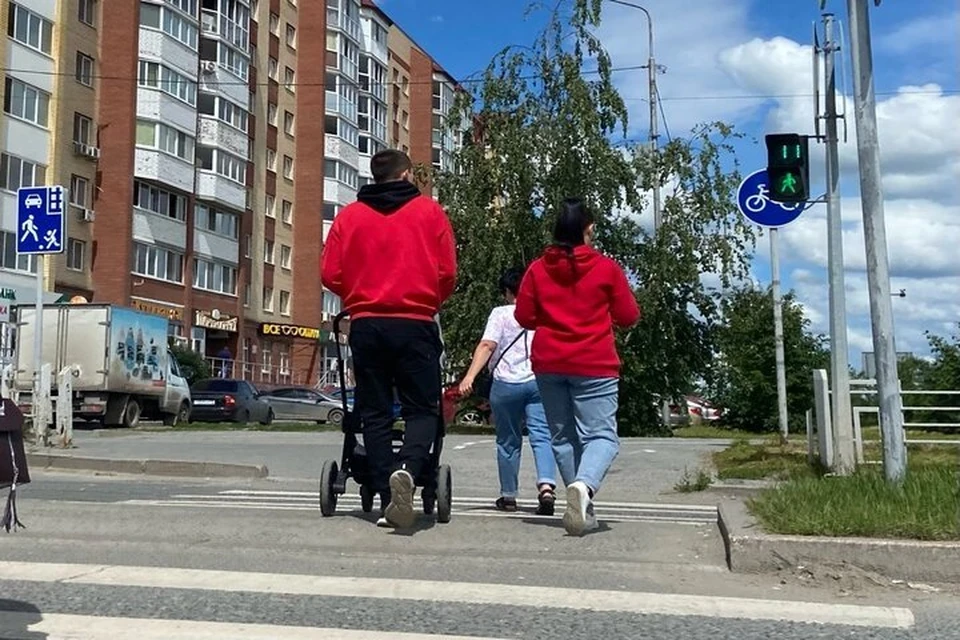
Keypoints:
pixel 387 197
pixel 566 267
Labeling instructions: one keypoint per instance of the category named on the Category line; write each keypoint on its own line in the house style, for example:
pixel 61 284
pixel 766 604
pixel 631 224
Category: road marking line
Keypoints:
pixel 58 626
pixel 266 506
pixel 462 593
pixel 460 447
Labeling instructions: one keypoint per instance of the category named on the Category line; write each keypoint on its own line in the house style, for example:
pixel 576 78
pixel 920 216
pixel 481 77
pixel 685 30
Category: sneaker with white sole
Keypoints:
pixel 399 512
pixel 579 517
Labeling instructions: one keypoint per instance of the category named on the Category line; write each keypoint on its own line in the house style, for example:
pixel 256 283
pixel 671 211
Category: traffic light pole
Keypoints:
pixel 875 240
pixel 843 445
pixel 778 334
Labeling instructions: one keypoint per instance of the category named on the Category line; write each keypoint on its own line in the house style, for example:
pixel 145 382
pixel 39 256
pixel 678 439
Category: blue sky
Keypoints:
pixel 748 62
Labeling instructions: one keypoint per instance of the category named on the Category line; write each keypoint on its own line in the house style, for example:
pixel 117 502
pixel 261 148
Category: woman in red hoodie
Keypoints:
pixel 573 296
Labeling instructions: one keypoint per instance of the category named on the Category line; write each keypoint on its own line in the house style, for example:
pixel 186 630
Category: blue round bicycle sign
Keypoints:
pixel 753 199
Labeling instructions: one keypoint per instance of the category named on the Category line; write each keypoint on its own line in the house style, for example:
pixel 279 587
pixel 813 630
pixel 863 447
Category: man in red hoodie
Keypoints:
pixel 391 257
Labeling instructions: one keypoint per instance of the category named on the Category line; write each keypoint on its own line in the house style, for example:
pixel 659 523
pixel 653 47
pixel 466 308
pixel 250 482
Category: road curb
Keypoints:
pixel 181 468
pixel 749 550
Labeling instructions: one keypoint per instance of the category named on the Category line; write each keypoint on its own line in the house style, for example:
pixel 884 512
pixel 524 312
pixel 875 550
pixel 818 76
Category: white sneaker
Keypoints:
pixel 399 512
pixel 579 517
pixel 383 522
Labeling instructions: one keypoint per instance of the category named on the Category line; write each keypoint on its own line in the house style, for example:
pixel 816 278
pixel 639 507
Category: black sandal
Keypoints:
pixel 547 501
pixel 506 504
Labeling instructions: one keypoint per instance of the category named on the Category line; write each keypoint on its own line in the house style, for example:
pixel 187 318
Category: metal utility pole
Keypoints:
pixel 778 334
pixel 843 447
pixel 875 239
pixel 652 98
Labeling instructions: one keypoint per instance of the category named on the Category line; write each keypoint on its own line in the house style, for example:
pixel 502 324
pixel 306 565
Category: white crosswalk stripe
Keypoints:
pixel 478 507
pixel 57 625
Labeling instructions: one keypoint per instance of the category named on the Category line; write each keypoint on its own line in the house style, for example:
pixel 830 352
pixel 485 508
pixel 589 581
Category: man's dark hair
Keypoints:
pixel 510 280
pixel 389 165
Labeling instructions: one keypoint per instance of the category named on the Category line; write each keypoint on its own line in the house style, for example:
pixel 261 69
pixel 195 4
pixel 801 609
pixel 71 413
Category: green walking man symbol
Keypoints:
pixel 788 183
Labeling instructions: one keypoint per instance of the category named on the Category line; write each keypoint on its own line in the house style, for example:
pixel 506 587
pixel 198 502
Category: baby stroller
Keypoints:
pixel 436 480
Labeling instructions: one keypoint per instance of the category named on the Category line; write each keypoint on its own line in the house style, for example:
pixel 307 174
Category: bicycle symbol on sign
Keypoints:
pixel 758 201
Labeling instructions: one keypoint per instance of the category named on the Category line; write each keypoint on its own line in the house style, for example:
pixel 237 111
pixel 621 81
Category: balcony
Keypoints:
pixel 336 148
pixel 336 191
pixel 342 22
pixel 164 168
pixel 153 104
pixel 214 24
pixel 217 80
pixel 155 228
pixel 338 105
pixel 215 246
pixel 216 133
pixel 215 187
pixel 157 45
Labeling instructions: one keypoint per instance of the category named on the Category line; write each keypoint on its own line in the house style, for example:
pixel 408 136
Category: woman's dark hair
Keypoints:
pixel 573 220
pixel 510 280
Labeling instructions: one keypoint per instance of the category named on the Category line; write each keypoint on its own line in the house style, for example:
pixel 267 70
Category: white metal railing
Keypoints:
pixel 257 372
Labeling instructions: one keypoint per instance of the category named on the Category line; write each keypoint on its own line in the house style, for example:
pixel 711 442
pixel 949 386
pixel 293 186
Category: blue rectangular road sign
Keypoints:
pixel 40 220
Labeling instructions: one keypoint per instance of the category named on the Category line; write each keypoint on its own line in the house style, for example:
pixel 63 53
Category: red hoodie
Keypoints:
pixel 573 303
pixel 390 254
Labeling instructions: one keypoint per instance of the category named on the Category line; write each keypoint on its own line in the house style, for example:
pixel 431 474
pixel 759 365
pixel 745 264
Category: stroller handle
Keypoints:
pixel 337 319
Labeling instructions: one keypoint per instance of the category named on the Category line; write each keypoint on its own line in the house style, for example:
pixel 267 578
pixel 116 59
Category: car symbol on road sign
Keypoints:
pixel 753 199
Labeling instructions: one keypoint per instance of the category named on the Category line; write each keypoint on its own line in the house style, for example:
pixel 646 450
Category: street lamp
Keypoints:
pixel 652 87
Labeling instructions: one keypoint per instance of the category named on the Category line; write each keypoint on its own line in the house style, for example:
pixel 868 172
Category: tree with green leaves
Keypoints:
pixel 744 379
pixel 546 122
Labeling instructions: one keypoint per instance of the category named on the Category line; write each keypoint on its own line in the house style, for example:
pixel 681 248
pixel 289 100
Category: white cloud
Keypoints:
pixel 923 32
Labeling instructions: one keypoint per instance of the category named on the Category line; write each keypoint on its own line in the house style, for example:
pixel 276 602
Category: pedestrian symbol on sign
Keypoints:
pixel 51 238
pixel 29 228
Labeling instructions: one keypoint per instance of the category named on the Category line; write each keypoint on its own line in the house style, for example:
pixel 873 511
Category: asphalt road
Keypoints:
pixel 118 557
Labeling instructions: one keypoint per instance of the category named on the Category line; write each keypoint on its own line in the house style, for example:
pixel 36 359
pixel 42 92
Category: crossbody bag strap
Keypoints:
pixel 504 352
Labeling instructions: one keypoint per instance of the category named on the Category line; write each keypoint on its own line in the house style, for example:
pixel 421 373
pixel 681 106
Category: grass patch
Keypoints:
pixel 743 460
pixel 864 504
pixel 691 483
pixel 873 433
pixel 711 432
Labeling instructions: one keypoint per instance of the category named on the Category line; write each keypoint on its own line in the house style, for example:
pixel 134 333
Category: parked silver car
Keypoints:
pixel 304 403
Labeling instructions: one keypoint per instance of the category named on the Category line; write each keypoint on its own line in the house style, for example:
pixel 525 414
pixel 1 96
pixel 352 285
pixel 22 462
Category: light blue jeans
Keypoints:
pixel 582 414
pixel 512 406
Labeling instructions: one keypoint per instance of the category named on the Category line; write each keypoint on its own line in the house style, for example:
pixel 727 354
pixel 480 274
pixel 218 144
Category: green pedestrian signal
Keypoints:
pixel 788 167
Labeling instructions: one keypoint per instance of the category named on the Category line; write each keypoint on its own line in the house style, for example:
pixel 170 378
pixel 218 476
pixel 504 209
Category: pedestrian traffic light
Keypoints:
pixel 788 167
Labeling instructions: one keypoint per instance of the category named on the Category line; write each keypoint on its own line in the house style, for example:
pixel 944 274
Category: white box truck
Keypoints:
pixel 126 370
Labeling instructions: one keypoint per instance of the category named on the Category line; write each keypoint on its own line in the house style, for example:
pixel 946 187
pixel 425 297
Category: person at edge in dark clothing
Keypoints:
pixel 391 258
pixel 573 296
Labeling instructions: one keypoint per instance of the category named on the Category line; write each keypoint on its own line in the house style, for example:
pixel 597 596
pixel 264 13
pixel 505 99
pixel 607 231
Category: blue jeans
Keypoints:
pixel 582 414
pixel 512 406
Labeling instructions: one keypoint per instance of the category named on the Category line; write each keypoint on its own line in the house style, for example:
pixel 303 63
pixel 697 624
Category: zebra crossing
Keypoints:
pixel 463 506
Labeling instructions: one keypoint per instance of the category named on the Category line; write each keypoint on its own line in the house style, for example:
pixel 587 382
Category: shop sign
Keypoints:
pixel 8 297
pixel 289 330
pixel 173 313
pixel 216 321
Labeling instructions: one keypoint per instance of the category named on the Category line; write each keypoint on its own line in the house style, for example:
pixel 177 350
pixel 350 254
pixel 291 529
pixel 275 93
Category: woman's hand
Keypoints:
pixel 466 385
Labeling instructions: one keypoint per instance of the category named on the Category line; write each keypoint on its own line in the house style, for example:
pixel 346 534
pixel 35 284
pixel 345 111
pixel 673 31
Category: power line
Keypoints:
pixel 478 81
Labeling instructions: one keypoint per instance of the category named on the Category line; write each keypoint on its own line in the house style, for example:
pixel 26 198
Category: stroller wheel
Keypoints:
pixel 366 498
pixel 328 497
pixel 444 493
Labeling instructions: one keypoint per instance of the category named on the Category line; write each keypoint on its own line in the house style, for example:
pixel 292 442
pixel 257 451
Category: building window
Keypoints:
pixel 288 167
pixel 166 203
pixel 247 294
pixel 214 276
pixel 222 223
pixel 274 24
pixel 27 27
pixel 284 306
pixel 76 254
pixel 270 206
pixel 165 138
pixel 26 101
pixel 286 253
pixel 157 262
pixel 79 191
pixel 248 246
pixel 287 212
pixel 268 299
pixel 343 172
pixel 84 69
pixel 289 79
pixel 198 340
pixel 330 210
pixel 272 114
pixel 223 163
pixel 271 160
pixel 170 22
pixel 10 259
pixel 268 251
pixel 158 76
pixel 288 123
pixel 81 128
pixel 226 56
pixel 291 36
pixel 87 12
pixel 273 68
pixel 16 172
pixel 223 110
pixel 189 7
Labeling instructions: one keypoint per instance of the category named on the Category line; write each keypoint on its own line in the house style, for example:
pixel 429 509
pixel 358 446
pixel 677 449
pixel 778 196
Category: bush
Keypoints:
pixel 192 365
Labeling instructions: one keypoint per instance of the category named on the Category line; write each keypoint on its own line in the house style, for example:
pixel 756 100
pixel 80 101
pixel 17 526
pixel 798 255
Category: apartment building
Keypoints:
pixel 201 179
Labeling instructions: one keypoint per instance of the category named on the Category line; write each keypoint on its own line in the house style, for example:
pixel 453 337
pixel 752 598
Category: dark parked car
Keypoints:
pixel 225 400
